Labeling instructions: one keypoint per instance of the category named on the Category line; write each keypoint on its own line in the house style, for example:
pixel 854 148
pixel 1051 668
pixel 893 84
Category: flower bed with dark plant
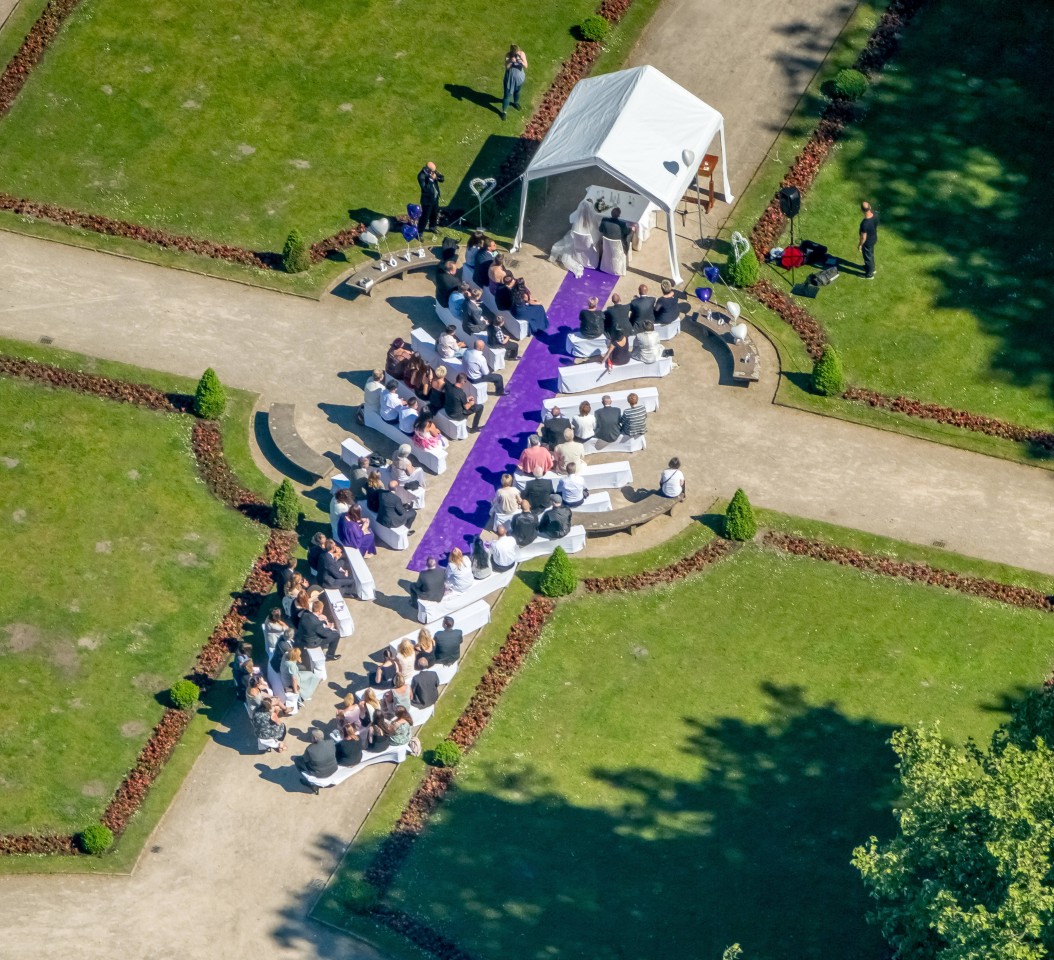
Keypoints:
pixel 32 50
pixel 207 446
pixel 711 553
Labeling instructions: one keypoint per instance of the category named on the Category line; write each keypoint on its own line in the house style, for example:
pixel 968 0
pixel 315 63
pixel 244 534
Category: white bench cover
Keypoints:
pixel 455 429
pixel 595 376
pixel 391 755
pixel 365 588
pixel 597 476
pixel 624 444
pixel 351 450
pixel 339 612
pixel 542 547
pixel 646 396
pixel 397 538
pixel 434 460
pixel 429 611
pixel 579 346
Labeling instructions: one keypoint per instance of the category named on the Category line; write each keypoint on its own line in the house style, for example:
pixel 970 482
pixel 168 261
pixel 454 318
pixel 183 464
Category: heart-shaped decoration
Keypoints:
pixel 481 187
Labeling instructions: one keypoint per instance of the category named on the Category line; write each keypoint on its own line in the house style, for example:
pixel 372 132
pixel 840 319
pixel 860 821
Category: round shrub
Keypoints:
pixel 356 895
pixel 740 522
pixel 446 754
pixel 850 83
pixel 210 398
pixel 296 255
pixel 828 378
pixel 95 839
pixel 595 28
pixel 285 506
pixel 745 271
pixel 184 694
pixel 558 576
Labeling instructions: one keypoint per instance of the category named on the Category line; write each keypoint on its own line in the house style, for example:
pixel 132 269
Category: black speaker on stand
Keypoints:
pixel 790 206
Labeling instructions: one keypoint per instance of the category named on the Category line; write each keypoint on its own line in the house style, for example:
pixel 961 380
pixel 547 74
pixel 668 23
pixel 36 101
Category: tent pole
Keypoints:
pixel 672 235
pixel 699 206
pixel 523 212
pixel 729 197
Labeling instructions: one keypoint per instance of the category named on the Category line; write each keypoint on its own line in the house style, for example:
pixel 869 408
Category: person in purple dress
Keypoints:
pixel 354 531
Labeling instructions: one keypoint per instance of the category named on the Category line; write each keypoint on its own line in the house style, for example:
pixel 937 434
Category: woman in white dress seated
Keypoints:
pixel 586 221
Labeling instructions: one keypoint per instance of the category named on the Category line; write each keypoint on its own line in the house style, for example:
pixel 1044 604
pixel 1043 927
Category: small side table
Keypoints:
pixel 706 170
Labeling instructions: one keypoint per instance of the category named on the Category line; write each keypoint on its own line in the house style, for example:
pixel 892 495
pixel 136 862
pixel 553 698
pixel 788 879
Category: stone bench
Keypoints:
pixel 281 423
pixel 391 755
pixel 648 397
pixel 366 278
pixel 429 611
pixel 542 547
pixel 578 346
pixel 579 377
pixel 626 518
pixel 434 460
pixel 745 362
pixel 365 588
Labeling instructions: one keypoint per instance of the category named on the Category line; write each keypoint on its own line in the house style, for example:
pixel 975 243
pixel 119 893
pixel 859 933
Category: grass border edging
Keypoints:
pixel 207 447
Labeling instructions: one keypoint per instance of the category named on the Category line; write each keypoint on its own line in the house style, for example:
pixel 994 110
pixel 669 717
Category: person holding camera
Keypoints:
pixel 429 179
pixel 515 74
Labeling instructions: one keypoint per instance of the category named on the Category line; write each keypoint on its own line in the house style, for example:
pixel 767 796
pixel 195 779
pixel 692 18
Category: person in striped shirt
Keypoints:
pixel 634 421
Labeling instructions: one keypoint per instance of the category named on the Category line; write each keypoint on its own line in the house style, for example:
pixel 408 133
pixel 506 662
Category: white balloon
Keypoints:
pixel 367 237
pixel 688 157
pixel 739 332
pixel 380 226
pixel 733 309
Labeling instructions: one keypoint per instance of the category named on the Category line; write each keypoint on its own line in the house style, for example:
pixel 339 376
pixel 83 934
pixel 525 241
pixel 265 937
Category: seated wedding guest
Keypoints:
pixel 374 488
pixel 448 345
pixel 355 532
pixel 392 511
pixel 293 589
pixel 538 490
pixel 334 572
pixel 458 299
pixel 506 500
pixel 447 282
pixel 425 648
pixel 448 643
pixel 243 669
pixel 437 391
pixel 474 320
pixel 524 526
pixel 338 506
pixel 371 399
pixel 458 572
pixel 320 757
pixel 395 361
pixel 496 273
pixel 615 228
pixel 534 455
pixel 634 421
pixel 283 574
pixel 485 257
pixel 504 551
pixel 526 307
pixel 569 451
pixel 424 688
pixel 405 657
pixel 274 628
pixel 572 488
pixel 259 690
pixel 498 337
pixel 312 632
pixel 371 708
pixel 503 296
pixel 352 714
pixel 423 387
pixel 408 476
pixel 473 246
pixel 556 521
pixel 431 583
pixel 667 308
pixel 267 722
pixel 584 424
pixel 408 416
pixel 348 748
pixel 402 727
pixel 617 318
pixel 591 321
pixel 379 738
pixel 608 420
pixel 648 346
pixel 427 435
pixel 387 670
pixel 671 480
pixel 414 370
pixel 552 429
pixel 315 551
pixel 617 354
pixel 480 560
pixel 300 684
pixel 391 403
pixel 359 475
pixel 274 665
pixel 459 404
pixel 478 370
pixel 641 308
pixel 398 696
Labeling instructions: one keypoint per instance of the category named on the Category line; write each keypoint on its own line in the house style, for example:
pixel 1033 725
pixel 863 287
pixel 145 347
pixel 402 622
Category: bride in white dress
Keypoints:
pixel 585 221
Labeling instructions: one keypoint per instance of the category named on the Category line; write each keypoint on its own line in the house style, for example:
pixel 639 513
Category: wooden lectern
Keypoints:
pixel 706 170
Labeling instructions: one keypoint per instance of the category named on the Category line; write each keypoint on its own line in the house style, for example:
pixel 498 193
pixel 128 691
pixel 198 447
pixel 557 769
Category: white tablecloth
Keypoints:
pixel 635 209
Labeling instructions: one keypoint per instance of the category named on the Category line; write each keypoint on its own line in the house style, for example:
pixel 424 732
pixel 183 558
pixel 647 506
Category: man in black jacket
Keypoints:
pixel 391 511
pixel 615 228
pixel 591 321
pixel 524 526
pixel 428 179
pixel 609 421
pixel 538 492
pixel 556 521
pixel 641 308
pixel 448 643
pixel 334 572
pixel 485 257
pixel 447 281
pixel 459 404
pixel 424 688
pixel 552 429
pixel 431 583
pixel 320 757
pixel 312 632
pixel 617 320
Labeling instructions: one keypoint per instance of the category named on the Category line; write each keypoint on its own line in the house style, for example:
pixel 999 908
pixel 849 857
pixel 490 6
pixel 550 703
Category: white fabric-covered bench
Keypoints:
pixel 593 376
pixel 429 611
pixel 579 346
pixel 339 612
pixel 468 619
pixel 542 547
pixel 648 397
pixel 624 444
pixel 424 344
pixel 455 429
pixel 516 328
pixel 596 476
pixel 397 538
pixel 595 503
pixel 365 588
pixel 495 355
pixel 391 755
pixel 434 460
pixel 351 450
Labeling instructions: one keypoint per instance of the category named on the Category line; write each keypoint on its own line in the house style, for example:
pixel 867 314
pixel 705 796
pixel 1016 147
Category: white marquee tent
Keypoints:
pixel 635 125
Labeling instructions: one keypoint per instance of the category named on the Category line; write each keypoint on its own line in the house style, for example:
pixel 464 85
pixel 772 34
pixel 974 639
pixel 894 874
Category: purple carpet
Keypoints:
pixel 513 417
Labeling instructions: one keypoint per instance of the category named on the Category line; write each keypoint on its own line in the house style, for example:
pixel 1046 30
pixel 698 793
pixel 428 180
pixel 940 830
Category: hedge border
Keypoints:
pixel 881 45
pixel 207 447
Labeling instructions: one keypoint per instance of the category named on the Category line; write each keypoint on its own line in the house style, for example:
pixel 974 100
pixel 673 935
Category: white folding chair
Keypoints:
pixel 613 260
pixel 585 250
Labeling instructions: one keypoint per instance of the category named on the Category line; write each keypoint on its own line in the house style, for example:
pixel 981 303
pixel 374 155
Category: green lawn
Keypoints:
pixel 649 786
pixel 236 123
pixel 953 154
pixel 118 563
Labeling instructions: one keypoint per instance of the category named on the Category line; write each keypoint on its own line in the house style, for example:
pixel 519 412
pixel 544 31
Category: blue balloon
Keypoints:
pixel 704 293
pixel 712 274
pixel 409 232
pixel 413 211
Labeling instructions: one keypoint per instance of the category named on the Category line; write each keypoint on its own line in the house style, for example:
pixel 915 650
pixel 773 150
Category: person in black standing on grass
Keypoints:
pixel 429 179
pixel 868 239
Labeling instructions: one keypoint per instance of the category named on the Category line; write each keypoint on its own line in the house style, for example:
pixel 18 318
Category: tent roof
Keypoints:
pixel 634 124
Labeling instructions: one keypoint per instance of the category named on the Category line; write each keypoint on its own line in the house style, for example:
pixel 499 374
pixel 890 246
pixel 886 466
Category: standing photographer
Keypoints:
pixel 515 74
pixel 429 179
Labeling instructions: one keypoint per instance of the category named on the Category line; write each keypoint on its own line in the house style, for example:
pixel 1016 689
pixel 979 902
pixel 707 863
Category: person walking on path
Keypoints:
pixel 429 179
pixel 868 239
pixel 515 74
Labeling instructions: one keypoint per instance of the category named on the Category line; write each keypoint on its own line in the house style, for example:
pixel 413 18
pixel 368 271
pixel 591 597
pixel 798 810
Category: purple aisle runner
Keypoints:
pixel 513 417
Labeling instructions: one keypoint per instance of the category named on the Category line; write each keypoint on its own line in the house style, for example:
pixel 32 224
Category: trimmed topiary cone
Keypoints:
pixel 210 398
pixel 296 255
pixel 745 271
pixel 828 378
pixel 740 523
pixel 558 577
pixel 285 506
